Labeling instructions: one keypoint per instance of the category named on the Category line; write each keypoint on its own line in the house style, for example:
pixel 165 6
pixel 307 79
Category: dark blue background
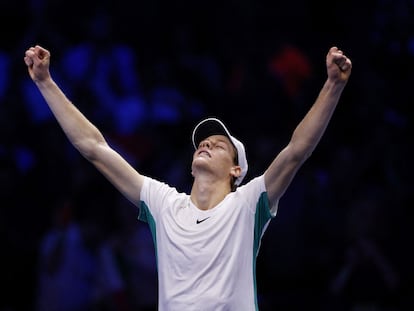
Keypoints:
pixel 145 72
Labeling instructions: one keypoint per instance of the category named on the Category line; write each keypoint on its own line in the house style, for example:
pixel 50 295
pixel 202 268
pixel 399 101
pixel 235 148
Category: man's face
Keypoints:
pixel 214 154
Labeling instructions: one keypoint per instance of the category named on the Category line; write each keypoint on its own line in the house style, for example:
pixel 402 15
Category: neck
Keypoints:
pixel 206 194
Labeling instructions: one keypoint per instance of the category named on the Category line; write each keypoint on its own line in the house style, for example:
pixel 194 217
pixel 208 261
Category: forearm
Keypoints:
pixel 80 131
pixel 310 130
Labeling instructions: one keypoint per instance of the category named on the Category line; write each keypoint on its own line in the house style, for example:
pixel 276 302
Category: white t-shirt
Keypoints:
pixel 206 259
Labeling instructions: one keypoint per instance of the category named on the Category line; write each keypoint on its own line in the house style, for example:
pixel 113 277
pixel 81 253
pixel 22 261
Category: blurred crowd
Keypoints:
pixel 145 73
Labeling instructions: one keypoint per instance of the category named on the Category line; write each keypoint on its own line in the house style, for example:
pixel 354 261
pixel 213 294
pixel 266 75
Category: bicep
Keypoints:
pixel 119 172
pixel 281 171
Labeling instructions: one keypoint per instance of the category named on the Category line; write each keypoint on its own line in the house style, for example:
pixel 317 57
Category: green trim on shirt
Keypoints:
pixel 262 218
pixel 146 216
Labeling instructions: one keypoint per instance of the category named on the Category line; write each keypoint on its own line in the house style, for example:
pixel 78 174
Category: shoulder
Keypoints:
pixel 157 192
pixel 255 193
pixel 150 185
pixel 254 186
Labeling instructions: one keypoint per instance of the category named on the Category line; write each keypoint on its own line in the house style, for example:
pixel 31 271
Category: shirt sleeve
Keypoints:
pixel 154 198
pixel 256 189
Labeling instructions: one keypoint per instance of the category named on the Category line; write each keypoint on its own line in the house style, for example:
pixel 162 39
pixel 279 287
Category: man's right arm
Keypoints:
pixel 84 136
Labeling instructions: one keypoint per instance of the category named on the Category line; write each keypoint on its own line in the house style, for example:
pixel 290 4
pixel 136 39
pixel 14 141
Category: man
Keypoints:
pixel 206 242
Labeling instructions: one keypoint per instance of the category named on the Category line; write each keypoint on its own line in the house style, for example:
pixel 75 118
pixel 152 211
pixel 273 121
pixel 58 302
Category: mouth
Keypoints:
pixel 203 153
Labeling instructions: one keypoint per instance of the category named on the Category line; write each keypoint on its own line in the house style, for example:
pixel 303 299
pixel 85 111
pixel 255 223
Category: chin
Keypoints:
pixel 198 163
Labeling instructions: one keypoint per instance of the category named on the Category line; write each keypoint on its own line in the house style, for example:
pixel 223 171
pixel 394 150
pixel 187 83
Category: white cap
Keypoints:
pixel 213 126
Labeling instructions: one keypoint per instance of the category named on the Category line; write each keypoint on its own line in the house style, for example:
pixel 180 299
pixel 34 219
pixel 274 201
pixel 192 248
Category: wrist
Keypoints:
pixel 44 82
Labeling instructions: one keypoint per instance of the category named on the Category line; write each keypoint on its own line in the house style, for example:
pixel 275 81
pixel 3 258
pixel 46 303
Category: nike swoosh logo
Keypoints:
pixel 200 221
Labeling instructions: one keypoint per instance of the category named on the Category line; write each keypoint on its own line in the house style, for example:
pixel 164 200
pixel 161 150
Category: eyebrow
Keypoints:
pixel 227 142
pixel 220 139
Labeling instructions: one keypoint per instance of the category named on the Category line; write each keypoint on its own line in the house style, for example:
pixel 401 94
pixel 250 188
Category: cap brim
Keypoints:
pixel 207 128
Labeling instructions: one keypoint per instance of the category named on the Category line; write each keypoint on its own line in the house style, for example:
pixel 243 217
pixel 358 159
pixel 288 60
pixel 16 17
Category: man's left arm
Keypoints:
pixel 309 131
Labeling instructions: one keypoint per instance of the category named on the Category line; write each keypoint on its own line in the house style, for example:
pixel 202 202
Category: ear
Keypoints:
pixel 235 171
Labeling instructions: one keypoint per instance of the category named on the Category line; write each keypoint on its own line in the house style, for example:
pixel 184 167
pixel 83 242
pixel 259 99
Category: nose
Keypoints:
pixel 205 143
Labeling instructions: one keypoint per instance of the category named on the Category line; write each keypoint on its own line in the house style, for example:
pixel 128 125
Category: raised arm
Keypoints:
pixel 308 133
pixel 84 136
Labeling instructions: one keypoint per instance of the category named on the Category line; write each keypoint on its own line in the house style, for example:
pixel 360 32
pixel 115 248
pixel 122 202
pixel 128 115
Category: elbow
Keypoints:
pixel 301 152
pixel 89 148
pixel 307 154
